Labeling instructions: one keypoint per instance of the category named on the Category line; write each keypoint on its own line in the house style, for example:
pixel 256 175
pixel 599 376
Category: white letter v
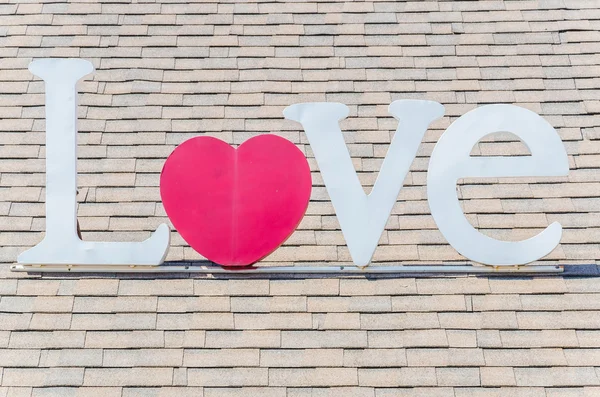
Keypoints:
pixel 363 218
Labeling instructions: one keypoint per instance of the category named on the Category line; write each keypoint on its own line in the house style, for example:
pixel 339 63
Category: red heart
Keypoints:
pixel 232 206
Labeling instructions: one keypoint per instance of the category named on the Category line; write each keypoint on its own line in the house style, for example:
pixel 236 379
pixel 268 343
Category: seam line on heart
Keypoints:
pixel 234 212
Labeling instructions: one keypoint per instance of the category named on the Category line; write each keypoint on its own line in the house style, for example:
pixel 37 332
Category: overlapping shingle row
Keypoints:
pixel 324 337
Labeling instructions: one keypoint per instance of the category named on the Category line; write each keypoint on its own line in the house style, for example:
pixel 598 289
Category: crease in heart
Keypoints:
pixel 236 198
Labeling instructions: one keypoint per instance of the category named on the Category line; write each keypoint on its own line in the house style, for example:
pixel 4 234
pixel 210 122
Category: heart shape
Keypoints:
pixel 236 206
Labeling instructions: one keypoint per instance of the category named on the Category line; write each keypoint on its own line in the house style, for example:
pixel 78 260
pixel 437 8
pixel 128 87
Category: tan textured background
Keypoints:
pixel 169 71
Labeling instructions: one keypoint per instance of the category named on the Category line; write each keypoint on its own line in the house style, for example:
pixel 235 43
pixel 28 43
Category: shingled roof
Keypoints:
pixel 168 71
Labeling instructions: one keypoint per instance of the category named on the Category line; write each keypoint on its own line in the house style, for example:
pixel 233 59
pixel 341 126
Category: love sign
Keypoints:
pixel 235 206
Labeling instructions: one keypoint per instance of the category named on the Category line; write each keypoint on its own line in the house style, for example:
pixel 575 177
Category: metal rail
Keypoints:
pixel 211 269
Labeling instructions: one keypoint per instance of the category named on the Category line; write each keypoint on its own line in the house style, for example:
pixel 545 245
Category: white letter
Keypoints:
pixel 451 160
pixel 61 245
pixel 363 218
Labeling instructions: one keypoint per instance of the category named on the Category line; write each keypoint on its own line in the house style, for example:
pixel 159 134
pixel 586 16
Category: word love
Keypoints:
pixel 237 205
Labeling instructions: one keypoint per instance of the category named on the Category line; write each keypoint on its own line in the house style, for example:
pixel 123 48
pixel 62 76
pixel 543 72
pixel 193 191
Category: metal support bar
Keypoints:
pixel 211 269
